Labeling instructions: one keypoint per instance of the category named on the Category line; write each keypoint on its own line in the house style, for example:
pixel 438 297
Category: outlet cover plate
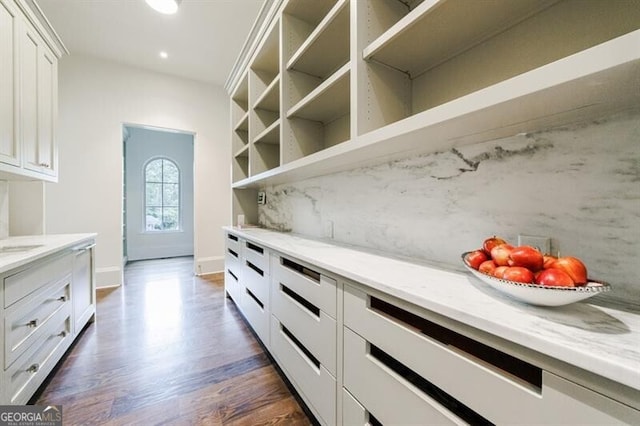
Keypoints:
pixel 541 243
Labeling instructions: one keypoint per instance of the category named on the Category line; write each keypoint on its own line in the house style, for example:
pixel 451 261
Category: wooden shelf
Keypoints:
pixel 243 123
pixel 587 85
pixel 241 94
pixel 242 152
pixel 328 101
pixel 327 47
pixel 270 98
pixel 270 135
pixel 425 37
pixel 268 58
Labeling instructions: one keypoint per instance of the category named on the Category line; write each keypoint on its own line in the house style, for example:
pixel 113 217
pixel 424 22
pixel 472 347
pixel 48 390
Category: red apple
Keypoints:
pixel 573 267
pixel 518 274
pixel 554 278
pixel 547 260
pixel 499 271
pixel 500 254
pixel 527 257
pixel 492 242
pixel 475 258
pixel 487 267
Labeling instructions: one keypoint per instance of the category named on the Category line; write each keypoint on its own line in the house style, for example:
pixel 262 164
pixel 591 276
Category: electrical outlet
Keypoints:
pixel 328 229
pixel 262 197
pixel 541 243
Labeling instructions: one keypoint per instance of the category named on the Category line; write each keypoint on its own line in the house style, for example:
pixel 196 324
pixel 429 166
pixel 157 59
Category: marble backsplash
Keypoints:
pixel 578 185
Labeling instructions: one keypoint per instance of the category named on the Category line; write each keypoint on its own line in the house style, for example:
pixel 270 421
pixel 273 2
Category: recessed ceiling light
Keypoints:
pixel 164 55
pixel 167 7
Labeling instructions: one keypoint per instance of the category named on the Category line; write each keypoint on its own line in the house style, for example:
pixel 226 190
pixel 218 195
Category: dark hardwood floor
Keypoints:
pixel 169 348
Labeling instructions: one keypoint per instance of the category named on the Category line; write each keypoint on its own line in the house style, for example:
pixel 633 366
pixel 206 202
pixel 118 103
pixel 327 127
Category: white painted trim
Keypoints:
pixel 110 276
pixel 208 265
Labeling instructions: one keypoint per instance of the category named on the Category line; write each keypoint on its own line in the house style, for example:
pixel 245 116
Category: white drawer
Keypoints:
pixel 257 314
pixel 307 282
pixel 568 403
pixel 257 281
pixel 456 372
pixel 25 375
pixel 20 284
pixel 387 395
pixel 353 414
pixel 233 287
pixel 26 320
pixel 257 256
pixel 314 328
pixel 314 383
pixel 233 242
pixel 232 258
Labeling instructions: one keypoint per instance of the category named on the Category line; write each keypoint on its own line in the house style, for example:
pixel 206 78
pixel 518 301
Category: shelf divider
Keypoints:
pixel 339 76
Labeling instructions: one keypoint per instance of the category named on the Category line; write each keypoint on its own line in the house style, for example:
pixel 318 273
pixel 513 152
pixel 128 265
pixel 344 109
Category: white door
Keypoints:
pixel 9 147
pixel 159 194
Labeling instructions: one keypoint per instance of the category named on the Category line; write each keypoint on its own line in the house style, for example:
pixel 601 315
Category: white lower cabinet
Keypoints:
pixel 358 356
pixel 312 380
pixel 46 304
pixel 406 369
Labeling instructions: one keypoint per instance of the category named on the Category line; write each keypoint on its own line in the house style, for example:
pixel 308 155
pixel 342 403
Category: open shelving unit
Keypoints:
pixel 430 75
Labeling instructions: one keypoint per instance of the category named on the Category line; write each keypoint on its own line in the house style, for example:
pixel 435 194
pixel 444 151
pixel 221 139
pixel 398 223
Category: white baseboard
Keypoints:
pixel 108 277
pixel 209 265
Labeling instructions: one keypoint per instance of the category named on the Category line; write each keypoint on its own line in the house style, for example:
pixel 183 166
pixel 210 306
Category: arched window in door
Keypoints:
pixel 162 195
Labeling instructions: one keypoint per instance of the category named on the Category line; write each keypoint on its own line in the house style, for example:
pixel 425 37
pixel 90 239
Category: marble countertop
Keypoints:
pixel 47 244
pixel 602 340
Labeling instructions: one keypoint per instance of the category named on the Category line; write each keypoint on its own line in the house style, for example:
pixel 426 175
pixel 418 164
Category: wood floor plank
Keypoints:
pixel 169 348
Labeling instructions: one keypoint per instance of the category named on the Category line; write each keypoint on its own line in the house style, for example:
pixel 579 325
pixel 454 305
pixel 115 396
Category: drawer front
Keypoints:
pixel 232 259
pixel 569 403
pixel 307 282
pixel 257 281
pixel 232 286
pixel 455 372
pixel 353 414
pixel 233 242
pixel 388 396
pixel 315 384
pixel 314 328
pixel 25 321
pixel 29 280
pixel 257 314
pixel 29 371
pixel 257 255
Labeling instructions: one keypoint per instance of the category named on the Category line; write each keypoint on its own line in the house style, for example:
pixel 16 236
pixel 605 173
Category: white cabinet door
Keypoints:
pixel 38 100
pixel 83 293
pixel 9 146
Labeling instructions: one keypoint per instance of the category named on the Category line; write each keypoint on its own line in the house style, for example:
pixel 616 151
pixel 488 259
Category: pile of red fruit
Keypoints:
pixel 526 264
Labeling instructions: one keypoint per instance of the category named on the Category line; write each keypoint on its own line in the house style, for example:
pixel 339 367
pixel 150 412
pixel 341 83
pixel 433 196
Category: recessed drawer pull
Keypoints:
pixel 62 298
pixel 309 273
pixel 301 300
pixel 255 268
pixel 233 253
pixel 33 368
pixel 232 274
pixel 232 237
pixel 33 323
pixel 253 296
pixel 293 339
pixel 255 248
pixel 63 333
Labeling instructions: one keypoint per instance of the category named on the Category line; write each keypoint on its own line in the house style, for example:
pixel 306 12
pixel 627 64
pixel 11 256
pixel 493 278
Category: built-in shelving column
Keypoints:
pixel 264 93
pixel 240 131
pixel 316 83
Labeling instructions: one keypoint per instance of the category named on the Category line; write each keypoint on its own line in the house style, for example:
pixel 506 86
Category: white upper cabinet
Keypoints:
pixel 29 69
pixel 9 147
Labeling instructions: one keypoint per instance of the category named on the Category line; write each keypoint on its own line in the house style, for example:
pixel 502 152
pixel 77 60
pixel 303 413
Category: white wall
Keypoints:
pixel 579 185
pixel 96 98
pixel 141 146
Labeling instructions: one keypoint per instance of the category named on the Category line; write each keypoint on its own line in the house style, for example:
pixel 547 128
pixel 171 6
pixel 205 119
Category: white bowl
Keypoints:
pixel 541 295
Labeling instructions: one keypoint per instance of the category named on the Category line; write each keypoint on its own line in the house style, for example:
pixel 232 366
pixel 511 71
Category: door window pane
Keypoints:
pixel 162 195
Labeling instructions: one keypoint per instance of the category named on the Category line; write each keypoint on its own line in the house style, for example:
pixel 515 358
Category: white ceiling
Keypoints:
pixel 203 39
